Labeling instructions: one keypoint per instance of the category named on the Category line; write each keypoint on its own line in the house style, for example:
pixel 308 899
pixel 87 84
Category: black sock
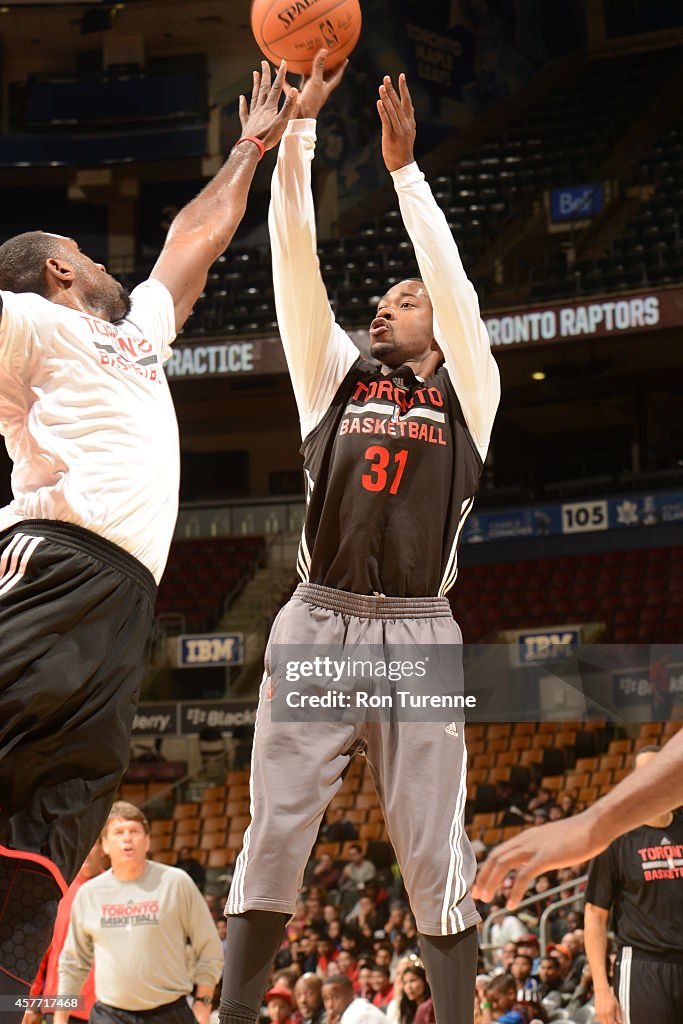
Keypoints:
pixel 253 940
pixel 451 965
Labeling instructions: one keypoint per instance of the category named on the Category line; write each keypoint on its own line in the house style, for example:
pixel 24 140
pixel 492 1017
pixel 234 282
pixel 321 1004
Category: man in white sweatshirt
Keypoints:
pixel 138 922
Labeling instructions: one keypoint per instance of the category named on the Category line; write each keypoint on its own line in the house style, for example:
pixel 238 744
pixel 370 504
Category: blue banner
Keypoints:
pixel 576 202
pixel 586 516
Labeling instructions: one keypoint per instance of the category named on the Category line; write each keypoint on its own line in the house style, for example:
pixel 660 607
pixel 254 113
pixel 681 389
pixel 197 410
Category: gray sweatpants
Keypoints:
pixel 418 769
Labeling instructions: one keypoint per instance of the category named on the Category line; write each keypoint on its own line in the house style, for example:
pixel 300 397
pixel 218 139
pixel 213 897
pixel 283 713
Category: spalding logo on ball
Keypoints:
pixel 294 30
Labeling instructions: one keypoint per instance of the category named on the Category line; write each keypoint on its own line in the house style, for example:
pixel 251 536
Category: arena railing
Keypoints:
pixel 487 947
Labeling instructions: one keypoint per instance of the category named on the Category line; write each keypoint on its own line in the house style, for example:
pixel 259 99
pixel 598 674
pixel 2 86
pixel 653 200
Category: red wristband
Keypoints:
pixel 257 142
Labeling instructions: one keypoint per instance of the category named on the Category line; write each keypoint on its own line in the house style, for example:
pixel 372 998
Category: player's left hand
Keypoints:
pixel 315 89
pixel 398 123
pixel 261 116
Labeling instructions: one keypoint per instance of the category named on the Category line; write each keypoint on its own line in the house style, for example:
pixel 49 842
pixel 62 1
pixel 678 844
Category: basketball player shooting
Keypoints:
pixel 89 424
pixel 377 557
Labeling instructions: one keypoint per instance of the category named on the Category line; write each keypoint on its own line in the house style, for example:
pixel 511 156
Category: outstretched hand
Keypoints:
pixel 261 117
pixel 315 88
pixel 398 123
pixel 557 844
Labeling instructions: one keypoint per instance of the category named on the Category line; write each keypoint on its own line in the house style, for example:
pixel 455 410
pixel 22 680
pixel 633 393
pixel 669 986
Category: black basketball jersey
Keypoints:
pixel 640 875
pixel 391 471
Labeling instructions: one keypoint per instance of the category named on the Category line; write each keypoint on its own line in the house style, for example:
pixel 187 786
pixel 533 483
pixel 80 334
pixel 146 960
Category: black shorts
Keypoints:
pixel 178 1012
pixel 649 986
pixel 75 630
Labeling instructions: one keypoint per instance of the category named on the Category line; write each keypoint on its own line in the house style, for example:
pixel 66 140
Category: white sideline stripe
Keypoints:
pixel 625 984
pixel 235 902
pixel 303 555
pixel 18 540
pixel 449 909
pixel 451 573
pixel 13 577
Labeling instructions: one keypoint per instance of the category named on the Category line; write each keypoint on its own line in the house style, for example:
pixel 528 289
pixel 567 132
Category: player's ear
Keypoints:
pixel 59 272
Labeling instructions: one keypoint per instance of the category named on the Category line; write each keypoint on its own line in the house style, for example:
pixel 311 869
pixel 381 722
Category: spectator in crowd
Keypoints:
pixel 397 913
pixel 325 953
pixel 286 978
pixel 505 956
pixel 399 949
pixel 543 884
pixel 410 929
pixel 573 941
pixel 583 992
pixel 567 804
pixel 347 964
pixel 210 900
pixel 520 970
pixel 330 913
pixel 142 961
pixel 530 946
pixel 550 979
pixel 364 986
pixel 364 914
pixel 279 1005
pixel 415 993
pixel 45 983
pixel 338 828
pixel 506 928
pixel 186 862
pixel 222 929
pixel 334 930
pixel 325 873
pixel 357 873
pixel 393 1011
pixel 308 996
pixel 380 980
pixel 563 955
pixel 342 1006
pixel 502 1005
pixel 383 954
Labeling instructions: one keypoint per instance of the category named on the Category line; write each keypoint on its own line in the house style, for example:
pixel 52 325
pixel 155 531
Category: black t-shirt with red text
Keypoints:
pixel 640 875
pixel 391 472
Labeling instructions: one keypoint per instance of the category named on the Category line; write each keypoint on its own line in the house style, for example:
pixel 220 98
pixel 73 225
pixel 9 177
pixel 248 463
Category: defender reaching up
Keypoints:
pixel 89 424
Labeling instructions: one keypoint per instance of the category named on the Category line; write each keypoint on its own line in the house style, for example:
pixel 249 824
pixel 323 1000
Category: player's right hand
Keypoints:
pixel 315 88
pixel 261 117
pixel 607 1009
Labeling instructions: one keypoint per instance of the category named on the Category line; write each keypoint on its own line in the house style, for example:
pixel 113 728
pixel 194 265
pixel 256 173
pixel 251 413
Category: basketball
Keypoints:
pixel 294 30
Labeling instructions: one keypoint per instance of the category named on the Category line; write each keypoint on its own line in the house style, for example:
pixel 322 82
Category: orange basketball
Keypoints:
pixel 296 29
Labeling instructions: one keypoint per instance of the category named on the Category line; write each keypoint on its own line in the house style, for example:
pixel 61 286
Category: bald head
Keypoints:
pixel 308 994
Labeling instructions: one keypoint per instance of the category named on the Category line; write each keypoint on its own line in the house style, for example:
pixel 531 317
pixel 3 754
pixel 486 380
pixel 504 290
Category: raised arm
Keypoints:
pixel 319 353
pixel 204 228
pixel 458 328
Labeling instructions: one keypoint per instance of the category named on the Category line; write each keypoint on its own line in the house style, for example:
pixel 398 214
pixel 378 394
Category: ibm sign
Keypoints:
pixel 208 650
pixel 555 645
